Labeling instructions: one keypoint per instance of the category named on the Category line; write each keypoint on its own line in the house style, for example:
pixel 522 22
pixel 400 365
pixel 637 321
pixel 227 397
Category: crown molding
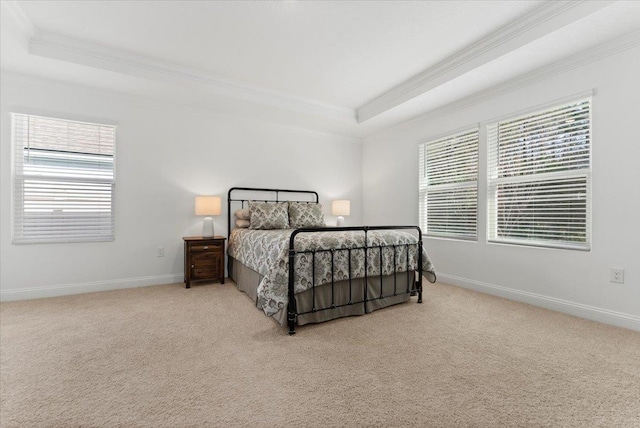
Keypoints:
pixel 18 23
pixel 162 104
pixel 548 17
pixel 57 46
pixel 588 56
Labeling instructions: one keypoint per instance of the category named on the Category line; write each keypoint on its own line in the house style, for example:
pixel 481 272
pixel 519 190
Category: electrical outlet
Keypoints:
pixel 617 275
pixel 160 251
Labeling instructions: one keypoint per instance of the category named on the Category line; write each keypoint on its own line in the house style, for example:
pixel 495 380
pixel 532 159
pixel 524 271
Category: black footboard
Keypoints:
pixel 413 285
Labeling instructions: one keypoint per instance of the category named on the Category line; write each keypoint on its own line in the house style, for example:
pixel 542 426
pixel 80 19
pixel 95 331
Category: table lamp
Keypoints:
pixel 208 206
pixel 340 208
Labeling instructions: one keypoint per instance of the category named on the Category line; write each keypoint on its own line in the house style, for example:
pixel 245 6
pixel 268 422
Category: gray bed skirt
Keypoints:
pixel 248 280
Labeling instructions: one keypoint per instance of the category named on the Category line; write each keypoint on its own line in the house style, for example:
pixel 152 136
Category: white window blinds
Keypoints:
pixel 539 179
pixel 63 180
pixel 449 186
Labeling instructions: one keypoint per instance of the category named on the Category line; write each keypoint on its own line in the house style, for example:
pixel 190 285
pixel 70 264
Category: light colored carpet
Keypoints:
pixel 165 356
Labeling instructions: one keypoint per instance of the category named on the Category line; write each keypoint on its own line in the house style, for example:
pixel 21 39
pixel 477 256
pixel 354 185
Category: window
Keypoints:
pixel 539 178
pixel 63 180
pixel 449 186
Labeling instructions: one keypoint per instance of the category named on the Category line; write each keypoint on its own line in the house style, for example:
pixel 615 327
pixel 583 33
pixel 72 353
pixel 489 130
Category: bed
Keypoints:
pixel 299 271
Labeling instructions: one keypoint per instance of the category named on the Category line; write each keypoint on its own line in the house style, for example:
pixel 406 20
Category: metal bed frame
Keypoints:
pixel 292 312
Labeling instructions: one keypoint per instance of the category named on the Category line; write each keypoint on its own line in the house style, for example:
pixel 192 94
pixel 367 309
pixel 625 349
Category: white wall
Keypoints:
pixel 165 155
pixel 572 281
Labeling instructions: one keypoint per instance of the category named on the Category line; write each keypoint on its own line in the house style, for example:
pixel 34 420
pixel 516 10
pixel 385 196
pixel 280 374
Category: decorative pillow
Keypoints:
pixel 242 214
pixel 269 215
pixel 302 214
pixel 242 223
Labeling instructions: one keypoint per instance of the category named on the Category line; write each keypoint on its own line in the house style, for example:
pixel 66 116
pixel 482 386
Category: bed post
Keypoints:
pixel 229 213
pixel 419 282
pixel 229 268
pixel 291 307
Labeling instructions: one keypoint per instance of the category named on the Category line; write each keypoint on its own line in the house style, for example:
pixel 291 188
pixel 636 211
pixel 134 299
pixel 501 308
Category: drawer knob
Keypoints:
pixel 206 247
pixel 192 266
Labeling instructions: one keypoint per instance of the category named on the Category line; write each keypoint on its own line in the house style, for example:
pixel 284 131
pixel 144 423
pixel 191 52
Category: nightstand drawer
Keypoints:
pixel 206 259
pixel 204 273
pixel 206 248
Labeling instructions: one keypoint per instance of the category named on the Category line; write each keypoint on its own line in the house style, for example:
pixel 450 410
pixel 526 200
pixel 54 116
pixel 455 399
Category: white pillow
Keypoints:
pixel 242 223
pixel 243 214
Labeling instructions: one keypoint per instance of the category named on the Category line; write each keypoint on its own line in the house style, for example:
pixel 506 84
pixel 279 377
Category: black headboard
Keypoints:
pixel 270 195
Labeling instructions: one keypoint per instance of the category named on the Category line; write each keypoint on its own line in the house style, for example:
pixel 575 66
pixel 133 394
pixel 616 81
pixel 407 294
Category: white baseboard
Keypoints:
pixel 593 313
pixel 87 287
pixel 572 308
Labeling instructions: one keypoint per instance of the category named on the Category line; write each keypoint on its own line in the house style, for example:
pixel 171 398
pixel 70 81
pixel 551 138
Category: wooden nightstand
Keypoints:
pixel 203 259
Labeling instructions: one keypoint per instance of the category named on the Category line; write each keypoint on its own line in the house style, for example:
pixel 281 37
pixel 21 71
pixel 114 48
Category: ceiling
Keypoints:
pixel 350 67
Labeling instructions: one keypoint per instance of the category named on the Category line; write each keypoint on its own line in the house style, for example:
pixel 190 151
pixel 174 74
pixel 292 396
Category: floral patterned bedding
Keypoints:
pixel 267 252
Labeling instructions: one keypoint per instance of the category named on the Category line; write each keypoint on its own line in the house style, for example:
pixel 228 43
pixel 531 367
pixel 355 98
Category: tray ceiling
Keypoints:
pixel 346 67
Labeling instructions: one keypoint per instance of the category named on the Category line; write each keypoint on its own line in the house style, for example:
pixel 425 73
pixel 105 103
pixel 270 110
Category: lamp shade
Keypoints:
pixel 341 207
pixel 208 205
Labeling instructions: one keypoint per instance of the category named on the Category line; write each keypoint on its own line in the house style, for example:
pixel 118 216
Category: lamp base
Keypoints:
pixel 340 221
pixel 207 227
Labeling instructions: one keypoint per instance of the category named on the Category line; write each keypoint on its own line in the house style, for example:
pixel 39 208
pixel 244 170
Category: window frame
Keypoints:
pixel 20 233
pixel 471 137
pixel 570 175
